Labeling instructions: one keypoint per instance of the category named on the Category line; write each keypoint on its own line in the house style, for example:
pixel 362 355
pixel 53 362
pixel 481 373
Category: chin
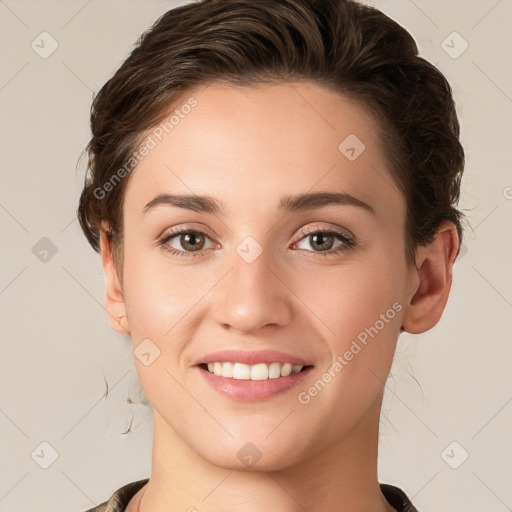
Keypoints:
pixel 255 453
pixel 254 460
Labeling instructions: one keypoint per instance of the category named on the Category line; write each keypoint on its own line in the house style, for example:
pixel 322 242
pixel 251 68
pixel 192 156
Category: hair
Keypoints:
pixel 344 46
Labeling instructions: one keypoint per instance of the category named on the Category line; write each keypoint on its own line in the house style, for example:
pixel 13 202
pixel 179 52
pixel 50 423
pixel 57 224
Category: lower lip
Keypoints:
pixel 252 390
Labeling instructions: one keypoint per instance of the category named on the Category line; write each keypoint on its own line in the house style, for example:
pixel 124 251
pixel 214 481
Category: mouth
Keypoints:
pixel 253 372
pixel 252 375
pixel 258 382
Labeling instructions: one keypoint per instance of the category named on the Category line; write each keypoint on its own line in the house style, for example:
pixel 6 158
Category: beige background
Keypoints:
pixel 452 383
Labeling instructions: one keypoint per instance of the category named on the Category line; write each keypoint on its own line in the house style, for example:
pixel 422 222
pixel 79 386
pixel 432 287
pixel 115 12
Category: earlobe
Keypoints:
pixel 114 300
pixel 432 279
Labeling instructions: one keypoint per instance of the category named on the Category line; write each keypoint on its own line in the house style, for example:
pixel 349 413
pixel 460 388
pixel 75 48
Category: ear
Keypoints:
pixel 114 300
pixel 432 280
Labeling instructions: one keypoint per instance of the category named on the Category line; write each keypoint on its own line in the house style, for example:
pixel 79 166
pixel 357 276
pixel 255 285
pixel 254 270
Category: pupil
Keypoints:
pixel 190 239
pixel 320 236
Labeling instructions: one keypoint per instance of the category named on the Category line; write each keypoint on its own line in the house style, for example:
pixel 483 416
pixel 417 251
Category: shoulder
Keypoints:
pixel 397 498
pixel 120 498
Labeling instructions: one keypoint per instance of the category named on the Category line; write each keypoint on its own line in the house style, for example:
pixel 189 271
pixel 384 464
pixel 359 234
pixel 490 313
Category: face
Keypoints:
pixel 318 282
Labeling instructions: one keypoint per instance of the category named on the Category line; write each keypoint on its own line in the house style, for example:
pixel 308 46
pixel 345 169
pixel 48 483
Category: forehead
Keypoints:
pixel 250 146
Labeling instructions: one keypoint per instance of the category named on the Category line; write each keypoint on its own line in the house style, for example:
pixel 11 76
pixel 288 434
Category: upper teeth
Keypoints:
pixel 260 371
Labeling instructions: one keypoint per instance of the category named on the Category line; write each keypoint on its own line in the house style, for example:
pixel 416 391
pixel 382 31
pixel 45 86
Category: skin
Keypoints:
pixel 248 147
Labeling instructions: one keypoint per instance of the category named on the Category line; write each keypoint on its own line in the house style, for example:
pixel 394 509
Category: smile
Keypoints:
pixel 242 386
pixel 260 371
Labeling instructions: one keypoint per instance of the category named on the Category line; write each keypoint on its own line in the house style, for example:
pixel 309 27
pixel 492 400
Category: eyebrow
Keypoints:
pixel 287 204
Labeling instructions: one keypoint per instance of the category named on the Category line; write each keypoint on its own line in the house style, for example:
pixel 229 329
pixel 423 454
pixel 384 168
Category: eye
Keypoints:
pixel 322 240
pixel 191 241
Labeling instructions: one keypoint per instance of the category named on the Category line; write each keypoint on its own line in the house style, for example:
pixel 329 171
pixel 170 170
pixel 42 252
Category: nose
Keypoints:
pixel 253 295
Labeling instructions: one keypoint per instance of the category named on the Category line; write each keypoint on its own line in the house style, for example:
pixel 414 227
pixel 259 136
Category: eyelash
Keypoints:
pixel 347 245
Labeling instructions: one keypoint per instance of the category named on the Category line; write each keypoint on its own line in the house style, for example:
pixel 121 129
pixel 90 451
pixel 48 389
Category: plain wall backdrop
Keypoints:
pixel 446 427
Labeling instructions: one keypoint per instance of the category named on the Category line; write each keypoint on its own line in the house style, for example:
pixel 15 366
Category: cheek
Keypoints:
pixel 362 305
pixel 362 309
pixel 158 293
pixel 159 300
pixel 353 297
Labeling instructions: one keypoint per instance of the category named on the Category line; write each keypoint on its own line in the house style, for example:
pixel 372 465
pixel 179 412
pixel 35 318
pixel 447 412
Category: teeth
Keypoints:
pixel 274 370
pixel 227 369
pixel 260 371
pixel 286 370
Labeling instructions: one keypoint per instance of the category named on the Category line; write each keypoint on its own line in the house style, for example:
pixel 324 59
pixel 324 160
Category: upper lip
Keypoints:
pixel 251 357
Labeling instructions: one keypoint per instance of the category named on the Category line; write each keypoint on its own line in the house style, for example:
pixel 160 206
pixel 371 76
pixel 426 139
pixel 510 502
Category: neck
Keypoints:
pixel 340 478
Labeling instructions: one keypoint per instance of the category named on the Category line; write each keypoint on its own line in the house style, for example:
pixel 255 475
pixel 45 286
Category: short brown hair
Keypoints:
pixel 353 49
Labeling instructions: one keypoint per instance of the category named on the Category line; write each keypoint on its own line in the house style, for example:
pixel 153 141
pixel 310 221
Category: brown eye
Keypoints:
pixel 322 241
pixel 184 241
pixel 191 241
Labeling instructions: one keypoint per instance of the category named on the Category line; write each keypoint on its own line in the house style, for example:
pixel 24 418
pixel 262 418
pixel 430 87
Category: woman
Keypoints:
pixel 273 191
